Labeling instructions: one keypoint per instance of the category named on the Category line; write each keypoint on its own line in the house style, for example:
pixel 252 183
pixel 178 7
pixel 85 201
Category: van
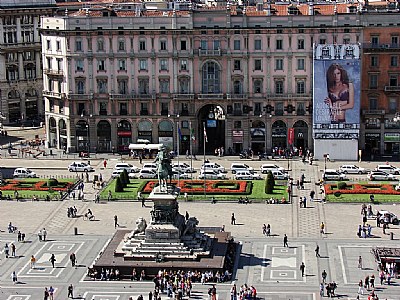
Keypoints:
pixel 24 173
pixel 331 174
pixel 236 167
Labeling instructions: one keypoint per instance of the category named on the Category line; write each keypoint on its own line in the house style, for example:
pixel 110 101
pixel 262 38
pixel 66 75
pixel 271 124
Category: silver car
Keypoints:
pixel 80 167
pixel 147 174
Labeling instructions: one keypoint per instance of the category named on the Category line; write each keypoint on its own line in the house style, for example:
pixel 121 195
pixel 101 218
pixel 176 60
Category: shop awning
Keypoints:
pixel 145 146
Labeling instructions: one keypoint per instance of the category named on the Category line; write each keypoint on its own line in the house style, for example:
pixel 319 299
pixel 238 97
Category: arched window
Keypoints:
pixel 211 78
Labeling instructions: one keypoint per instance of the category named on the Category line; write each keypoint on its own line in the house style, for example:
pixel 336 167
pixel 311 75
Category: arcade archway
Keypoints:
pixel 258 136
pixel 301 134
pixel 103 136
pixel 279 135
pixel 124 133
pixel 213 118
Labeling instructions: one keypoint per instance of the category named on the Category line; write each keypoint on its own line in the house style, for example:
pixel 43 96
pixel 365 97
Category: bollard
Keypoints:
pixel 392 236
pixel 75 230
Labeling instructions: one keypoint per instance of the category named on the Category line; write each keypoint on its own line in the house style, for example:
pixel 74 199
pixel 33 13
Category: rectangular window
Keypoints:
pixel 48 44
pixel 122 64
pixel 144 109
pixel 78 45
pixel 163 64
pixel 49 63
pixel 257 108
pixel 300 110
pixel 237 87
pixel 143 64
pixel 121 45
pixel 300 87
pixel 279 64
pixel 322 41
pixel 374 61
pixel 142 45
pixel 58 46
pixel 279 44
pixel 279 108
pixel 300 44
pixel 236 45
pixel 300 64
pixel 103 108
pixel 237 65
pixel 183 45
pixel 101 65
pixel 163 45
pixel 257 45
pixel 164 108
pixel 184 86
pixel 123 109
pixel 393 105
pixel 374 40
pixel 373 103
pixel 216 44
pixel 102 86
pixel 183 65
pixel 373 81
pixel 100 45
pixel 237 124
pixel 164 86
pixel 394 61
pixel 395 41
pixel 81 109
pixel 257 86
pixel 123 87
pixel 258 65
pixel 393 80
pixel 144 86
pixel 80 87
pixel 278 87
pixel 203 45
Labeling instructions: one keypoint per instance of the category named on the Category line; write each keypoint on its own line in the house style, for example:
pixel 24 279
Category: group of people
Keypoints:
pixel 329 287
pixel 71 212
pixel 266 229
pixel 244 292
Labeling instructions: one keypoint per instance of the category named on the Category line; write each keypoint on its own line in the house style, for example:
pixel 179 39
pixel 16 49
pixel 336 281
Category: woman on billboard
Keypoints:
pixel 340 93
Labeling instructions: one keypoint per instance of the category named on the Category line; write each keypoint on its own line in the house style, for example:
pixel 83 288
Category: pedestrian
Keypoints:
pixel 285 241
pixel 360 288
pixel 46 294
pixel 12 246
pixel 14 277
pixel 33 262
pixel 302 269
pixel 116 221
pixel 233 219
pixel 105 164
pixel 321 290
pixel 304 202
pixel 317 251
pixel 360 262
pixel 264 229
pixel 52 260
pixel 301 202
pixel 322 228
pixel 44 234
pixel 143 202
pixel 40 235
pixel 71 291
pixel 324 274
pixel 382 277
pixel 72 258
pixel 366 282
pixel 372 281
pixel 19 236
pixel 51 293
pixel 268 230
pixel 109 195
pixel 6 250
pixel 312 194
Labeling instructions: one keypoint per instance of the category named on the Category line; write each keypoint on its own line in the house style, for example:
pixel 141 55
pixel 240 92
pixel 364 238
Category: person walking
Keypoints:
pixel 53 260
pixel 46 294
pixel 302 269
pixel 285 241
pixel 33 262
pixel 268 230
pixel 360 262
pixel 324 274
pixel 44 234
pixel 12 246
pixel 233 219
pixel 116 221
pixel 72 258
pixel 264 229
pixel 6 250
pixel 14 277
pixel 51 293
pixel 70 291
pixel 105 164
pixel 321 290
pixel 317 252
pixel 322 228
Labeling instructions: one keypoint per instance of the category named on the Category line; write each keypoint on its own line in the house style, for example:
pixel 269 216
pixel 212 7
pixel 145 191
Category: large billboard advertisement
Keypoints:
pixel 336 94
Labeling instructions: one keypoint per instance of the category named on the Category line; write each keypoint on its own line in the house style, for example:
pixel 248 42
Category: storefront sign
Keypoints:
pixel 237 136
pixel 392 137
pixel 291 136
pixel 124 133
pixel 373 136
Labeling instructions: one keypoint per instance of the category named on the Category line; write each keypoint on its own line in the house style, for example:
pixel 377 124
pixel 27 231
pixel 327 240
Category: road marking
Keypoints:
pixel 19 297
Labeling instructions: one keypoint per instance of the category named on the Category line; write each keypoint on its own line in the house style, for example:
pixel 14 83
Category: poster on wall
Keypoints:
pixel 336 103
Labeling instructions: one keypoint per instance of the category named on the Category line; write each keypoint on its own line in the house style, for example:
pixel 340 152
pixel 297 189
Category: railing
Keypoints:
pixel 391 88
pixel 236 96
pixel 380 46
pixel 206 52
pixel 210 96
pixel 374 112
pixel 54 72
pixel 79 96
pixel 183 96
pixel 53 94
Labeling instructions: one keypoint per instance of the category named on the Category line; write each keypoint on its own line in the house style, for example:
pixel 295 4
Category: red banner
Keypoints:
pixel 291 136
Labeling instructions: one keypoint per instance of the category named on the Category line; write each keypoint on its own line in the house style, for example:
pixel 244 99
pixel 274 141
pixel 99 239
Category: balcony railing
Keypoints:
pixel 391 88
pixel 207 52
pixel 236 96
pixel 80 96
pixel 54 72
pixel 380 46
pixel 210 96
pixel 53 94
pixel 374 112
pixel 183 96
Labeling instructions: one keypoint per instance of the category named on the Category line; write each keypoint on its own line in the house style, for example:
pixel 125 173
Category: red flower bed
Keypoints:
pixel 356 188
pixel 212 186
pixel 15 185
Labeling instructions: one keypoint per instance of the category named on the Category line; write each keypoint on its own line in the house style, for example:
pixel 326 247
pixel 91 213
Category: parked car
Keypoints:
pixel 352 169
pixel 78 166
pixel 279 175
pixel 380 175
pixel 128 167
pixel 179 174
pixel 116 173
pixel 388 169
pixel 265 168
pixel 151 166
pixel 213 166
pixel 211 174
pixel 388 217
pixel 247 175
pixel 330 174
pixel 184 167
pixel 236 167
pixel 24 173
pixel 147 174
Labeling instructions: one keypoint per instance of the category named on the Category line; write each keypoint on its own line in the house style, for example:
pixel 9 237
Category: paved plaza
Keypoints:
pixel 263 262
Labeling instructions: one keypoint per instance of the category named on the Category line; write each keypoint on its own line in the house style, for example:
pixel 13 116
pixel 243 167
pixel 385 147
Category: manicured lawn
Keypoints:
pixel 362 198
pixel 30 193
pixel 258 195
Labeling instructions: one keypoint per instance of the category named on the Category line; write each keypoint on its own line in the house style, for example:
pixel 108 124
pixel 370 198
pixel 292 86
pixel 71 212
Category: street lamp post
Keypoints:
pixel 87 132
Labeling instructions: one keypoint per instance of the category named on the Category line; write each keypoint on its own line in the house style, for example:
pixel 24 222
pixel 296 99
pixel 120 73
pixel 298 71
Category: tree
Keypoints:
pixel 126 177
pixel 118 185
pixel 270 183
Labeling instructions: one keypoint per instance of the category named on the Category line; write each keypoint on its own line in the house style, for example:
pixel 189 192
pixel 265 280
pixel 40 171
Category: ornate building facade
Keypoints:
pixel 20 60
pixel 124 74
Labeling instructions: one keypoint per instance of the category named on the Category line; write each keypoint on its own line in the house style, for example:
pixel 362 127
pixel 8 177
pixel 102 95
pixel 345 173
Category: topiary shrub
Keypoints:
pixel 122 178
pixel 52 182
pixel 341 185
pixel 337 194
pixel 126 177
pixel 118 185
pixel 269 183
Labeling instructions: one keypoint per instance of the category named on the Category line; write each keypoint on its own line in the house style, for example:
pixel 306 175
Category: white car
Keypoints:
pixel 184 167
pixel 78 166
pixel 352 169
pixel 330 174
pixel 388 169
pixel 128 167
pixel 116 173
pixel 380 175
pixel 213 166
pixel 265 168
pixel 24 173
pixel 279 175
pixel 178 174
pixel 151 166
pixel 236 167
pixel 211 174
pixel 147 174
pixel 247 175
